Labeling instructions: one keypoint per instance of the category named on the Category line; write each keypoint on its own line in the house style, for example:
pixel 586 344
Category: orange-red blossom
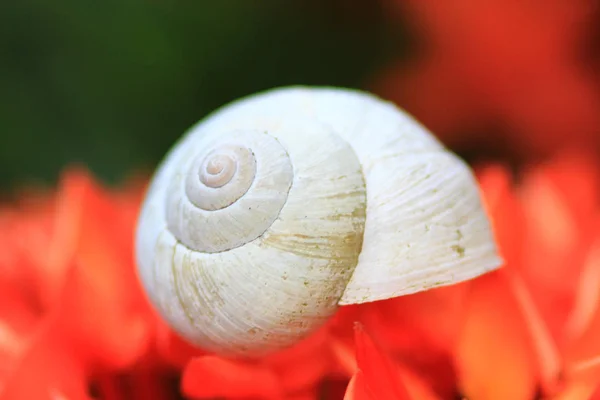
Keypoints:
pixel 74 323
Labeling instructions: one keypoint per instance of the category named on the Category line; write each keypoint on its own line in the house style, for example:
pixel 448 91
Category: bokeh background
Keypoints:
pixel 112 84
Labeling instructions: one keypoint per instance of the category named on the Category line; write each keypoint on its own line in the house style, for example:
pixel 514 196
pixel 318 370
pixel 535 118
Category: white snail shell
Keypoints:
pixel 278 208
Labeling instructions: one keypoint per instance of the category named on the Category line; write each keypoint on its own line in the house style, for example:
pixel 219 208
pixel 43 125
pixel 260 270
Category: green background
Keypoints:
pixel 112 84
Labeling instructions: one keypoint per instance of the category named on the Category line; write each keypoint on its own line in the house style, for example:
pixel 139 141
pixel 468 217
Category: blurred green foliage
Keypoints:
pixel 112 84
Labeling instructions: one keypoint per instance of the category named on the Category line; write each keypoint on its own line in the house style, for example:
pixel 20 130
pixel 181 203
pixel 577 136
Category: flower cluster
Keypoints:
pixel 74 323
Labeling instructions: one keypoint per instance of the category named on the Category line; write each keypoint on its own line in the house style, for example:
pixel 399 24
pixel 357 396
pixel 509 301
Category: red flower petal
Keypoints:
pixel 303 365
pixel 380 381
pixel 422 330
pixel 544 347
pixel 587 297
pixel 101 303
pixel 312 394
pixel 506 213
pixel 494 357
pixel 579 390
pixel 171 348
pixel 583 353
pixel 48 370
pixel 357 388
pixel 211 376
pixel 344 355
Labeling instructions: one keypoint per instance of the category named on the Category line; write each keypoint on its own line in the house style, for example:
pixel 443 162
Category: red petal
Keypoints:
pixel 422 329
pixel 102 279
pixel 48 370
pixel 380 380
pixel 579 390
pixel 506 213
pixel 65 237
pixel 495 347
pixel 171 348
pixel 357 388
pixel 342 342
pixel 212 376
pixel 557 243
pixel 544 347
pixel 583 353
pixel 576 178
pixel 587 296
pixel 344 355
pixel 303 365
pixel 305 395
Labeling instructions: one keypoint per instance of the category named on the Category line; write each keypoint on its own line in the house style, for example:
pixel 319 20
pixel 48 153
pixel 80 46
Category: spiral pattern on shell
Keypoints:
pixel 242 175
pixel 276 209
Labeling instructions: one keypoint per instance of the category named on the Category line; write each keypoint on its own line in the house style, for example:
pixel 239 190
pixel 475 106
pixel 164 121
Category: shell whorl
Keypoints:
pixel 278 208
pixel 253 232
pixel 239 175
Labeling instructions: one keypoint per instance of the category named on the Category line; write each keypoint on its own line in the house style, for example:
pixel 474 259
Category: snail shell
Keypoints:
pixel 278 208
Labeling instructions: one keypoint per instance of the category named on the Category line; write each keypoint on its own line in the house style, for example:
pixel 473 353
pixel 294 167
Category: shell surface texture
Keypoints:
pixel 280 207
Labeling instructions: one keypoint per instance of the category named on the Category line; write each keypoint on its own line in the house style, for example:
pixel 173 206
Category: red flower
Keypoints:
pixel 75 324
pixel 525 321
pixel 80 307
